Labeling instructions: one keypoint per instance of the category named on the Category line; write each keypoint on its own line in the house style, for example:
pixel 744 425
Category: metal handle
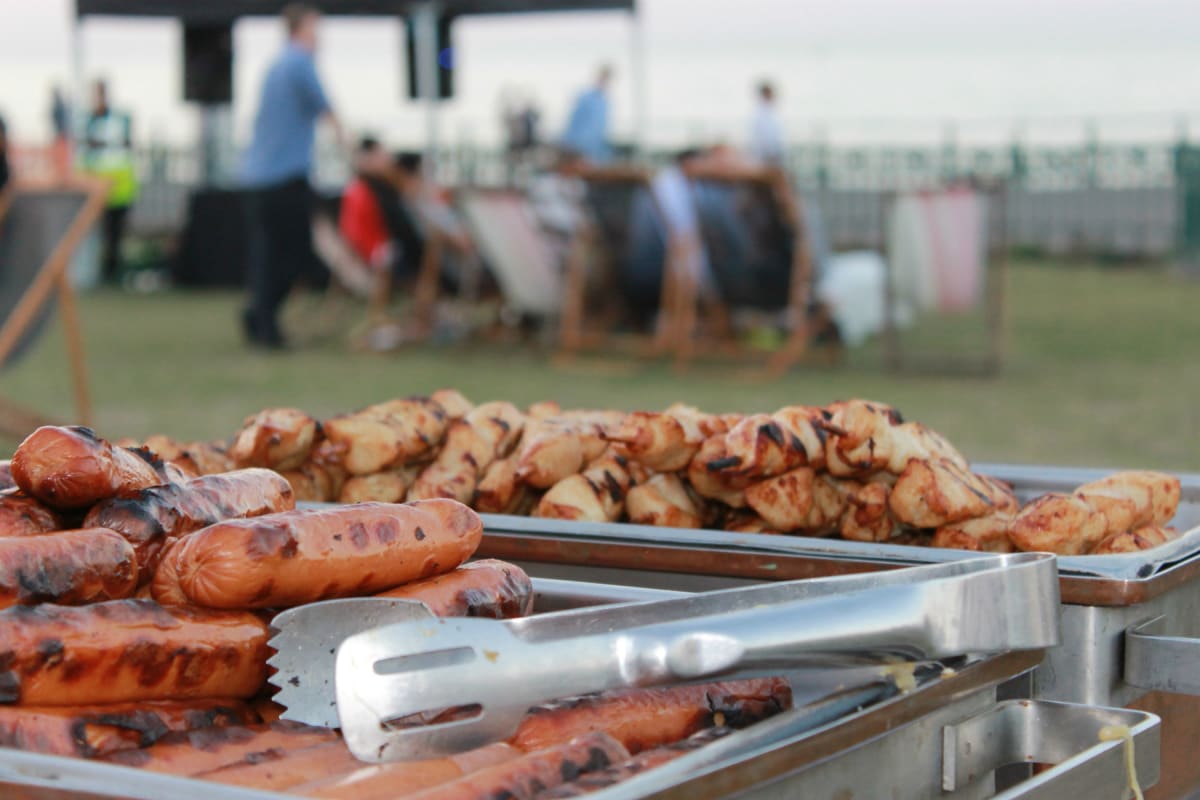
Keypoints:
pixel 1156 661
pixel 1063 734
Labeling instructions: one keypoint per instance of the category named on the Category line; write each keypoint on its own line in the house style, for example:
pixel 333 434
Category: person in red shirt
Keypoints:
pixel 361 219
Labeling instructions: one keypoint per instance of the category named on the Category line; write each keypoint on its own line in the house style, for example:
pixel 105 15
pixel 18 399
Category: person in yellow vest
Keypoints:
pixel 107 151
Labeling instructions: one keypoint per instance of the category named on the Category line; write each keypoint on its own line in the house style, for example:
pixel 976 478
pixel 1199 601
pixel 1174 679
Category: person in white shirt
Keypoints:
pixel 766 134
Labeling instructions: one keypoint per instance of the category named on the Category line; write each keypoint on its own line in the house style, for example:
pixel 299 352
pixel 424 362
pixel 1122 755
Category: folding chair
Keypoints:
pixel 40 229
pixel 759 256
pixel 618 197
pixel 504 227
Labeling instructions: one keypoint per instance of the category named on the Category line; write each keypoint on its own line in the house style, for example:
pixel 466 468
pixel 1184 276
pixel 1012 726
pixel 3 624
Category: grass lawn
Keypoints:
pixel 1102 370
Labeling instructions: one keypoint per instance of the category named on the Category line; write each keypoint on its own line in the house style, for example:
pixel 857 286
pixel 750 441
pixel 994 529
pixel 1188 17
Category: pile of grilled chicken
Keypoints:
pixel 853 469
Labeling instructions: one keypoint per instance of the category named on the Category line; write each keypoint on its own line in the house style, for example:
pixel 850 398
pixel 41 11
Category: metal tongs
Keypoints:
pixel 428 687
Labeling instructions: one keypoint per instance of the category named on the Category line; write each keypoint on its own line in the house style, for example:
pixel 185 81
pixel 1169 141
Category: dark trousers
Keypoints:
pixel 114 232
pixel 280 229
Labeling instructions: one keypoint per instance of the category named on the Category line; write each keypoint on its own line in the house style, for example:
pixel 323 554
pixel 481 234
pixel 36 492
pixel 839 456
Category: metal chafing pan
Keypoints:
pixel 851 731
pixel 1130 623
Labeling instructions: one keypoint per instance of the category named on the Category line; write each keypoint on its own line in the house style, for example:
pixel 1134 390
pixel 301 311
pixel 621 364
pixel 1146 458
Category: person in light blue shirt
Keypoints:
pixel 587 127
pixel 275 171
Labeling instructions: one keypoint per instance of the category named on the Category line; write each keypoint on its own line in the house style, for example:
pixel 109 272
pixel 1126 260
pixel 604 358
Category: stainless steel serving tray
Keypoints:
pixel 1115 580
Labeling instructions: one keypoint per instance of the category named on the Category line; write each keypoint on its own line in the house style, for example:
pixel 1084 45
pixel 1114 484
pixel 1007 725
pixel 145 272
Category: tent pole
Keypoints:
pixel 424 21
pixel 76 92
pixel 638 80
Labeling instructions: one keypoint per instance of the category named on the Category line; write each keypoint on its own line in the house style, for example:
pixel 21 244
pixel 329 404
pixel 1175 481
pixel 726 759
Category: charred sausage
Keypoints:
pixel 387 781
pixel 200 751
pixel 71 468
pixel 299 557
pixel 128 650
pixel 91 731
pixel 24 516
pixel 534 772
pixel 641 719
pixel 70 568
pixel 149 517
pixel 486 588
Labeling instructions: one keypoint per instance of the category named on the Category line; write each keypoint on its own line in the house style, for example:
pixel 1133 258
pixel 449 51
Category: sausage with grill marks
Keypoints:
pixel 196 752
pixel 128 650
pixel 296 557
pixel 24 516
pixel 91 731
pixel 71 468
pixel 150 517
pixel 69 567
pixel 486 588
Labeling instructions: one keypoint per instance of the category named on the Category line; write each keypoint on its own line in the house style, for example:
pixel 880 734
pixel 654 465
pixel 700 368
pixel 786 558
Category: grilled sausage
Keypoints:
pixel 533 772
pixel 70 568
pixel 278 438
pixel 72 468
pixel 641 719
pixel 91 731
pixel 388 781
pixel 277 770
pixel 196 752
pixel 128 650
pixel 302 556
pixel 149 517
pixel 642 762
pixel 24 516
pixel 486 588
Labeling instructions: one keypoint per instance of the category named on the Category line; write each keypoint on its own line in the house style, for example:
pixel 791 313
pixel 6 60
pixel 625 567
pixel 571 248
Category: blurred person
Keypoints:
pixel 60 125
pixel 5 175
pixel 587 127
pixel 766 132
pixel 430 203
pixel 360 218
pixel 107 151
pixel 276 170
pixel 557 198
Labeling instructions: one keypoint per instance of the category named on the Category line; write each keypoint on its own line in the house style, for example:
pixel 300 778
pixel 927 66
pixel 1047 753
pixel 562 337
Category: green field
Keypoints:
pixel 1102 370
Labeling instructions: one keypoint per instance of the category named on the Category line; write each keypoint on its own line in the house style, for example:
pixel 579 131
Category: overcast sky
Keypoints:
pixel 882 69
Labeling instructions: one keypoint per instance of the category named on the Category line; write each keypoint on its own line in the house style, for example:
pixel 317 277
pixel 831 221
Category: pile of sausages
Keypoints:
pixel 135 597
pixel 854 469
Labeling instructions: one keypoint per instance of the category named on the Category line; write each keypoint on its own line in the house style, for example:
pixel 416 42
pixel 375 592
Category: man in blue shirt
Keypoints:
pixel 587 128
pixel 276 172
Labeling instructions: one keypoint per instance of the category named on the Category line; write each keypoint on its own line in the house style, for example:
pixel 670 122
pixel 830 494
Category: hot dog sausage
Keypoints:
pixel 533 772
pixel 642 762
pixel 127 650
pixel 149 517
pixel 69 468
pixel 200 751
pixel 644 718
pixel 487 588
pixel 388 781
pixel 24 516
pixel 98 730
pixel 70 568
pixel 299 557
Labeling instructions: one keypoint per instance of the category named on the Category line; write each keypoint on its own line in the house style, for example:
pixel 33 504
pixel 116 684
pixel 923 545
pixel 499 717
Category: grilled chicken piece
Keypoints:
pixel 558 447
pixel 988 534
pixel 387 435
pixel 595 495
pixel 453 403
pixel 543 410
pixel 1135 541
pixel 499 491
pixel 664 441
pixel 663 500
pixel 746 521
pixel 472 444
pixel 912 441
pixel 1151 498
pixel 931 494
pixel 705 476
pixel 276 438
pixel 800 500
pixel 859 430
pixel 316 481
pixel 1076 524
pixel 868 517
pixel 390 486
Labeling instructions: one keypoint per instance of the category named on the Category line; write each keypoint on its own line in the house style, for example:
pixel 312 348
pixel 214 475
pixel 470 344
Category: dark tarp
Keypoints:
pixel 224 11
